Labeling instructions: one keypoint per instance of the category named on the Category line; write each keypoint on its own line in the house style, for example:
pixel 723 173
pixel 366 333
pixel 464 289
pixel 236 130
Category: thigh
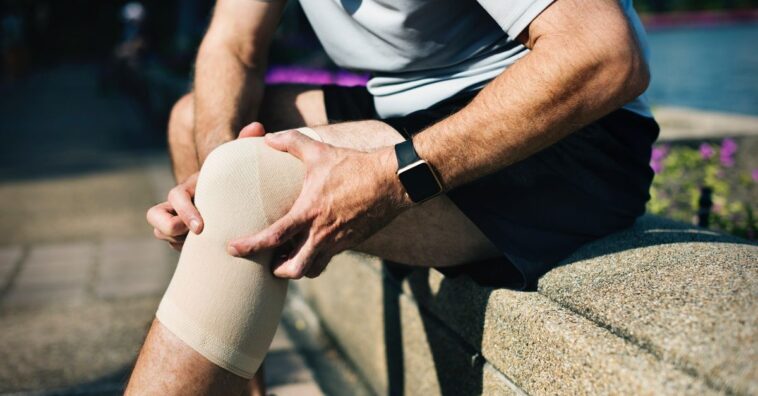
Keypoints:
pixel 433 234
pixel 287 106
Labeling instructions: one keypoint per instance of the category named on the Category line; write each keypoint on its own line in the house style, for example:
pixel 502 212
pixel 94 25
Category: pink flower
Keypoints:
pixel 727 160
pixel 728 149
pixel 657 166
pixel 706 151
pixel 754 175
pixel 660 153
pixel 729 146
pixel 657 156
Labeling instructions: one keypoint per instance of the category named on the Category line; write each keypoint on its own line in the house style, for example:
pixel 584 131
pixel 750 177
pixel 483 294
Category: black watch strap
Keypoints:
pixel 405 154
pixel 415 174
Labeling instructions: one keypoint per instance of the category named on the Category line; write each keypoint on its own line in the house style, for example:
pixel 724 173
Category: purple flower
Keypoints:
pixel 706 151
pixel 728 149
pixel 656 158
pixel 727 160
pixel 754 175
pixel 728 145
pixel 660 153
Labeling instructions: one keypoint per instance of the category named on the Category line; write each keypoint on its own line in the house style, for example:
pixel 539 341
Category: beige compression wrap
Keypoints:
pixel 228 308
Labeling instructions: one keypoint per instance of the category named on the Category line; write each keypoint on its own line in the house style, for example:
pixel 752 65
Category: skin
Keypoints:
pixel 548 94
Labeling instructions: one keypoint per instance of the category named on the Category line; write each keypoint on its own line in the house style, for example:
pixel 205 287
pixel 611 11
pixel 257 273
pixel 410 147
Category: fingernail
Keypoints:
pixel 195 225
pixel 232 251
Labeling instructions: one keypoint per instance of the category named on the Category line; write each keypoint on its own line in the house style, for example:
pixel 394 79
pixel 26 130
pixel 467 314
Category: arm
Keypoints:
pixel 231 63
pixel 584 63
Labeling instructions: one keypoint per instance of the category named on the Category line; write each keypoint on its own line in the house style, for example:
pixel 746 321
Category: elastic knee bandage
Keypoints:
pixel 228 308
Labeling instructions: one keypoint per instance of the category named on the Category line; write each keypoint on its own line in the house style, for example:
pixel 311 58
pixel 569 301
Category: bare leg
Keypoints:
pixel 283 107
pixel 169 366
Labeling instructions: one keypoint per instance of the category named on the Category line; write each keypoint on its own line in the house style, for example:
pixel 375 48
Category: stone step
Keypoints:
pixel 661 308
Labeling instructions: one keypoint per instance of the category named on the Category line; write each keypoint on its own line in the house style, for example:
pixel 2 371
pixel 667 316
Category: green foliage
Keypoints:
pixel 681 174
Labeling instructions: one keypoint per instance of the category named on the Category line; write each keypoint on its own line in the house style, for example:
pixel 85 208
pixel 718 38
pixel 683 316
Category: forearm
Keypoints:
pixel 229 71
pixel 567 81
pixel 227 94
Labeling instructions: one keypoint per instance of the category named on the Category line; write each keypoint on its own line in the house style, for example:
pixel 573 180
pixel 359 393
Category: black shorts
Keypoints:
pixel 537 211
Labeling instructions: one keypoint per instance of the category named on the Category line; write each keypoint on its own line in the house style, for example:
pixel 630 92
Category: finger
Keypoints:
pixel 254 129
pixel 161 216
pixel 273 236
pixel 298 265
pixel 319 265
pixel 181 201
pixel 295 143
pixel 288 249
pixel 168 238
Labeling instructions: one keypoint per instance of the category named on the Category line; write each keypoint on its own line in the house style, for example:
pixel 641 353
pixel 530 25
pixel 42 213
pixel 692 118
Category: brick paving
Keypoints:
pixel 80 274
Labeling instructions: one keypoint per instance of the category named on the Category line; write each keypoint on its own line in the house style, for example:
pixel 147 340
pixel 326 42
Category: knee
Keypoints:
pixel 243 179
pixel 181 122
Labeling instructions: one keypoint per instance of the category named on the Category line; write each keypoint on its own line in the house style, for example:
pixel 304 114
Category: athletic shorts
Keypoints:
pixel 538 211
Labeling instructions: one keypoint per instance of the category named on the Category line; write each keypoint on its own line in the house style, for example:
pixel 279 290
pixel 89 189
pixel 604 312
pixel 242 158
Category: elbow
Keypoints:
pixel 637 76
pixel 629 73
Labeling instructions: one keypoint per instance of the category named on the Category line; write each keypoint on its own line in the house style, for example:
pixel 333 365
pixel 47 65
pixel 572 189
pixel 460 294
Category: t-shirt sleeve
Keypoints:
pixel 514 16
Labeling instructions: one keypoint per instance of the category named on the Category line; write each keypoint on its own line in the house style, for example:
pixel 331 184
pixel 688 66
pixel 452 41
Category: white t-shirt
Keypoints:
pixel 421 52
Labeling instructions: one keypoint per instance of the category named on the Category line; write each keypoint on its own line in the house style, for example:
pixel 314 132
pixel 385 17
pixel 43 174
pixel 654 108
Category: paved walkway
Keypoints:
pixel 80 276
pixel 679 123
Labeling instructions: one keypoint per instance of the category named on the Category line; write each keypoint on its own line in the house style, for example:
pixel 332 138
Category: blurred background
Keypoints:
pixel 85 92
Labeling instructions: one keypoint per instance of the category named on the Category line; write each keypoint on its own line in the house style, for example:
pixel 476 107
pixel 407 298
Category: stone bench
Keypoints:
pixel 661 308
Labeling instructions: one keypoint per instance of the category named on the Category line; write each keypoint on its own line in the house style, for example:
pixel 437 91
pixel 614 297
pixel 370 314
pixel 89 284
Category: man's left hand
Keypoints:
pixel 347 196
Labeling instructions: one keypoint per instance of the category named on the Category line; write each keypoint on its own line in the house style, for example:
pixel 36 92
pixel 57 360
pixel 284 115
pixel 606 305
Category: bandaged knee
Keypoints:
pixel 227 308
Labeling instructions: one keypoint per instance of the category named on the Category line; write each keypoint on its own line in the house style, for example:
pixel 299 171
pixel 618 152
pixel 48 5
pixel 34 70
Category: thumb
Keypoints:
pixel 254 129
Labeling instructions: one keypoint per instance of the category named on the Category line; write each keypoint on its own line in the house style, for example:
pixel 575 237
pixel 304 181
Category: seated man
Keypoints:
pixel 508 132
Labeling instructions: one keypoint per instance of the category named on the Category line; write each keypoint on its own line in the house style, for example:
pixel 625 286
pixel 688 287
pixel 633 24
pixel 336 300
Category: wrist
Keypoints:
pixel 388 178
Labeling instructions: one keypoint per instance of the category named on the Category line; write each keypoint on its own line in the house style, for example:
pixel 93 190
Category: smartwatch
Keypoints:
pixel 415 174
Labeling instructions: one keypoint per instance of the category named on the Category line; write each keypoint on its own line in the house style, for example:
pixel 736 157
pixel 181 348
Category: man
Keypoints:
pixel 519 124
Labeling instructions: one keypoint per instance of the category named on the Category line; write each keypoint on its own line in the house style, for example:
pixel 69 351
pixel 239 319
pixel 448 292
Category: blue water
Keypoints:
pixel 714 68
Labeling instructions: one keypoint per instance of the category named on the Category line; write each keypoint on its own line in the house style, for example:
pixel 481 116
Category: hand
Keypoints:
pixel 173 219
pixel 347 195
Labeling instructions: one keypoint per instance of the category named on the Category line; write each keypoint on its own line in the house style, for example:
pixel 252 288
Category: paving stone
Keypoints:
pixel 24 296
pixel 57 265
pixel 55 273
pixel 119 257
pixel 126 288
pixel 85 206
pixel 44 254
pixel 9 259
pixel 133 267
pixel 51 347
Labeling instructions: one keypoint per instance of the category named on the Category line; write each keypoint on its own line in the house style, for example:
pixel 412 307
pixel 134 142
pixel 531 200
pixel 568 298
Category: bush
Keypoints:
pixel 686 176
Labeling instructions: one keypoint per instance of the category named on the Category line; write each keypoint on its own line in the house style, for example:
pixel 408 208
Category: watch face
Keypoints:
pixel 419 182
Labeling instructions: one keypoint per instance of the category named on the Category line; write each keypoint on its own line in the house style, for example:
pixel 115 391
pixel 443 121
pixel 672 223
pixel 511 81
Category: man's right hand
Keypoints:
pixel 174 218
